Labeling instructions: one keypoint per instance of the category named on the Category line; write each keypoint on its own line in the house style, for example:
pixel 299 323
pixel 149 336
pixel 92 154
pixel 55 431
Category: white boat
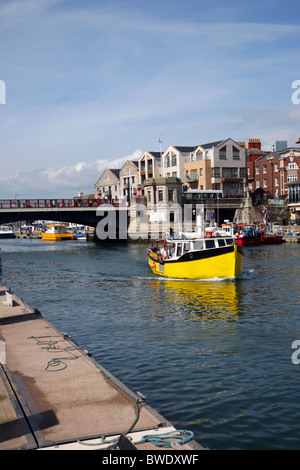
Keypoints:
pixel 6 231
pixel 80 236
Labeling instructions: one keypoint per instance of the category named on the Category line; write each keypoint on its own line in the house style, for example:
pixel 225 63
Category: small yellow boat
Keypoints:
pixel 198 258
pixel 56 232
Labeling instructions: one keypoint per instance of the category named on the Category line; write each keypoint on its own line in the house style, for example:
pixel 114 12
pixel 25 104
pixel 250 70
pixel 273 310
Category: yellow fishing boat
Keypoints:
pixel 197 258
pixel 56 232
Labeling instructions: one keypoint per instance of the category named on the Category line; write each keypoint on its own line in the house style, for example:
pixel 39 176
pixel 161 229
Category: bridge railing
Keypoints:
pixel 56 203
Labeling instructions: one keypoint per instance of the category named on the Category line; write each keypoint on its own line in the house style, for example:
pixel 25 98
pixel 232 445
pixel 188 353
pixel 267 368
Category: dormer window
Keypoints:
pixel 222 153
pixel 235 153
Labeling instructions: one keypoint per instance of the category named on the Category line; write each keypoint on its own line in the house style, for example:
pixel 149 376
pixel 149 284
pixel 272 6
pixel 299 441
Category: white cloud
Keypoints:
pixel 64 182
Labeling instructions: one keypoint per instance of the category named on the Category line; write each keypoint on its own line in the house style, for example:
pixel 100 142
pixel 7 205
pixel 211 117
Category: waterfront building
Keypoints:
pixel 294 200
pixel 219 165
pixel 173 160
pixel 269 174
pixel 129 180
pixel 149 166
pixel 107 187
pixel 198 171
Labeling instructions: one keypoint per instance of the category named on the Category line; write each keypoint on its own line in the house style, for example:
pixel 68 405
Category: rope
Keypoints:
pixel 56 363
pixel 114 441
pixel 166 440
pixel 169 439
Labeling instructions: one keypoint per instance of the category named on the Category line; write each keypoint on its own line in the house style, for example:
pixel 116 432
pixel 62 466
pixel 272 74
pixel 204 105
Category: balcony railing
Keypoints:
pixel 56 203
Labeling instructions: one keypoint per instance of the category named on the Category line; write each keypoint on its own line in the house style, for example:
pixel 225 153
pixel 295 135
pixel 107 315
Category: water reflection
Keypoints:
pixel 200 300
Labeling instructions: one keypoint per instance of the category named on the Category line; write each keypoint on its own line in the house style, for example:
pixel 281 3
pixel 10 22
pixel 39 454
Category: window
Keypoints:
pixel 174 160
pixel 257 170
pixel 222 153
pixel 264 183
pixel 235 153
pixel 264 169
pixel 257 184
pixel 291 178
pixel 194 174
pixel 170 194
pixel 292 166
pixel 210 243
pixel 229 173
pixel 198 245
pixel 149 196
pixel 160 195
pixel 276 167
pixel 216 172
pixel 276 182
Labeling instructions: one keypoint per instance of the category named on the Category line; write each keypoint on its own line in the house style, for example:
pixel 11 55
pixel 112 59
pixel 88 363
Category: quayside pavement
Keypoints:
pixel 55 396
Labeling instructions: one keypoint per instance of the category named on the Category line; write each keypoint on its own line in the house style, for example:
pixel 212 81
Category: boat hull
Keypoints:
pixel 272 239
pixel 7 235
pixel 56 237
pixel 225 262
pixel 248 241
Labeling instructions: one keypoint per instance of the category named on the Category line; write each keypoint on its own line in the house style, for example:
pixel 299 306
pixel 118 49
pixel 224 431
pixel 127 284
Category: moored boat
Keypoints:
pixel 81 236
pixel 6 231
pixel 248 236
pixel 197 258
pixel 271 238
pixel 56 232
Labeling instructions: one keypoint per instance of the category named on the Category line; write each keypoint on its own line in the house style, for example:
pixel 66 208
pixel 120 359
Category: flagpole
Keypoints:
pixel 161 158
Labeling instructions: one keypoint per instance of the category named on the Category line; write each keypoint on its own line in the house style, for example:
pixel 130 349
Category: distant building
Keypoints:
pixel 279 145
pixel 107 188
pixel 129 180
pixel 271 174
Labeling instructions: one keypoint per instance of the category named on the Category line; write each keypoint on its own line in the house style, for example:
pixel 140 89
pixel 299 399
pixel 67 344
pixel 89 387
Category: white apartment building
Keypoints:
pixel 173 160
pixel 149 165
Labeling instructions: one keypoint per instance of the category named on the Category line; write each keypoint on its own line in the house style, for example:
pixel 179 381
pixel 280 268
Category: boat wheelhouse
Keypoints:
pixel 56 232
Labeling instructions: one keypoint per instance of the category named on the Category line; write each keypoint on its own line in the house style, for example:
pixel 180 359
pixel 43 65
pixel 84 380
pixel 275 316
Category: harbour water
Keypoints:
pixel 213 357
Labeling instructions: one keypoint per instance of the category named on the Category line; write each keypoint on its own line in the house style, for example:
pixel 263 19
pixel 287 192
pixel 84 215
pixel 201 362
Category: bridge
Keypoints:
pixel 89 212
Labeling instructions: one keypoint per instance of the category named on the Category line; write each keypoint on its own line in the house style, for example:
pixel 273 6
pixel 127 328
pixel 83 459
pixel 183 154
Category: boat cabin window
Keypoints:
pixel 186 247
pixel 198 245
pixel 229 241
pixel 181 248
pixel 210 243
pixel 221 241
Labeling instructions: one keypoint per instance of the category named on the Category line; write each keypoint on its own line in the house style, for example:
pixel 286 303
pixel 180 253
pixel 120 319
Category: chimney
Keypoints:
pixel 254 144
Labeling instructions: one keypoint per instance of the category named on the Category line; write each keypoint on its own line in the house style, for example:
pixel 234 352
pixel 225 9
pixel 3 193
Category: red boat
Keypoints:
pixel 248 237
pixel 270 239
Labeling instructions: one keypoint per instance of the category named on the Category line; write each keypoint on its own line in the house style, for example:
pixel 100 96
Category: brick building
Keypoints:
pixel 269 172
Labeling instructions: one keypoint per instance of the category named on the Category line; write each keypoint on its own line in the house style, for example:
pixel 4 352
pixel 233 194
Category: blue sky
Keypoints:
pixel 91 83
